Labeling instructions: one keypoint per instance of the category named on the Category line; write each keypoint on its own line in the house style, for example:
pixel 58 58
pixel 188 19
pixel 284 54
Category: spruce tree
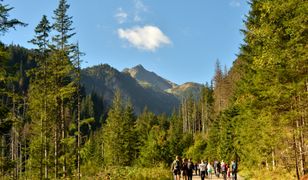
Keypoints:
pixel 39 93
pixel 63 26
pixel 5 22
pixel 113 142
pixel 271 92
pixel 118 134
pixel 62 61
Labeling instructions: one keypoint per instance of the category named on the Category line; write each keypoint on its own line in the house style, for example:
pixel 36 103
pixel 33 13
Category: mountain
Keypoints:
pixel 149 79
pixel 186 89
pixel 104 80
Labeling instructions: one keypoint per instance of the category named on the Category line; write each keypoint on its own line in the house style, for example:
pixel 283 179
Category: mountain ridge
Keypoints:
pixel 142 87
pixel 150 79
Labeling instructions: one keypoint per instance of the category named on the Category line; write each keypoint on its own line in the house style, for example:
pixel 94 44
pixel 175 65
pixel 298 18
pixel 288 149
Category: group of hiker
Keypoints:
pixel 185 168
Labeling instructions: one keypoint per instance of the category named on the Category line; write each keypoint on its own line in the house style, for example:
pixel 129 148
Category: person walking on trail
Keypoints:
pixel 218 169
pixel 206 173
pixel 228 171
pixel 234 170
pixel 176 168
pixel 210 170
pixel 224 170
pixel 184 169
pixel 215 166
pixel 202 168
pixel 198 168
pixel 190 168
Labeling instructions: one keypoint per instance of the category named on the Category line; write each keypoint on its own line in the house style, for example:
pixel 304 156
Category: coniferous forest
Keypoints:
pixel 255 113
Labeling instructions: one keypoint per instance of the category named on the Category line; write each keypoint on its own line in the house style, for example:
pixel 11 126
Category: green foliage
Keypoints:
pixel 134 173
pixel 117 134
pixel 155 149
pixel 42 31
pixel 196 151
pixel 62 25
pixel 271 93
pixel 255 113
pixel 5 22
pixel 175 137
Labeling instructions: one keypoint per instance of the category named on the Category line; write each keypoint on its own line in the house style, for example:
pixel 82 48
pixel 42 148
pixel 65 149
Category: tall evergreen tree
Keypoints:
pixel 39 93
pixel 117 133
pixel 62 54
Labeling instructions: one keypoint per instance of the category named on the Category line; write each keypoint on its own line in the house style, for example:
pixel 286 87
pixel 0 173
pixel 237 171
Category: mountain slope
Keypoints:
pixel 186 89
pixel 104 80
pixel 149 79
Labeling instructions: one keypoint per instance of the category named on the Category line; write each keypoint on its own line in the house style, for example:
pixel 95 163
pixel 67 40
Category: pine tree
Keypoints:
pixel 10 80
pixel 175 136
pixel 39 91
pixel 271 92
pixel 62 54
pixel 63 25
pixel 129 138
pixel 113 141
pixel 5 22
pixel 143 126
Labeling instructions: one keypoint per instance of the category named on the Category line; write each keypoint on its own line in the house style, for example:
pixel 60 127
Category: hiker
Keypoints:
pixel 184 169
pixel 202 168
pixel 210 170
pixel 190 168
pixel 206 163
pixel 224 170
pixel 218 170
pixel 215 166
pixel 176 168
pixel 228 171
pixel 234 170
pixel 197 168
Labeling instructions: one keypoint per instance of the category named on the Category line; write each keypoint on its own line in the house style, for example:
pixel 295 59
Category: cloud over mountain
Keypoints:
pixel 147 38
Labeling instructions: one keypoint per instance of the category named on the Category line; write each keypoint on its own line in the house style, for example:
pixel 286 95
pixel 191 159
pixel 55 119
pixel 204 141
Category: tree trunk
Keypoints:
pixel 273 159
pixel 63 137
pixel 296 156
pixel 45 117
pixel 78 113
pixel 56 152
pixel 41 150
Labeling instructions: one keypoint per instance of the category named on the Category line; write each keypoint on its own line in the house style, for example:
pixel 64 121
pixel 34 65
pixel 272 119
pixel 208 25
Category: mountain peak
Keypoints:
pixel 139 67
pixel 149 79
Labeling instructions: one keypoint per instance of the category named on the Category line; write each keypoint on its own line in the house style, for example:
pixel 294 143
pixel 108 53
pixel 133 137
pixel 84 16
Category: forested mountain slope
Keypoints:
pixel 104 80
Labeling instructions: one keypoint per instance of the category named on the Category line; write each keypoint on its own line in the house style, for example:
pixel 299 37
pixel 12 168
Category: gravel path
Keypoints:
pixel 214 178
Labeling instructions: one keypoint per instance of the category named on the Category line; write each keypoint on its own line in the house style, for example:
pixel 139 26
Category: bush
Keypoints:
pixel 263 173
pixel 136 173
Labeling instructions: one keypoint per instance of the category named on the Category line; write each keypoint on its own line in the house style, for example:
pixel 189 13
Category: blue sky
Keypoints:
pixel 177 39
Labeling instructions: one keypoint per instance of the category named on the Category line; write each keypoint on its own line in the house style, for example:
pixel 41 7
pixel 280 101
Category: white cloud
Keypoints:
pixel 147 38
pixel 235 3
pixel 121 16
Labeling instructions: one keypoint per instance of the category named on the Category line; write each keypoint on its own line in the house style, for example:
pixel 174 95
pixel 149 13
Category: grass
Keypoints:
pixel 136 173
pixel 264 174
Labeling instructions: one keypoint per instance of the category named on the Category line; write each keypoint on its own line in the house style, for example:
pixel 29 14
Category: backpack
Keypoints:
pixel 177 165
pixel 190 166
